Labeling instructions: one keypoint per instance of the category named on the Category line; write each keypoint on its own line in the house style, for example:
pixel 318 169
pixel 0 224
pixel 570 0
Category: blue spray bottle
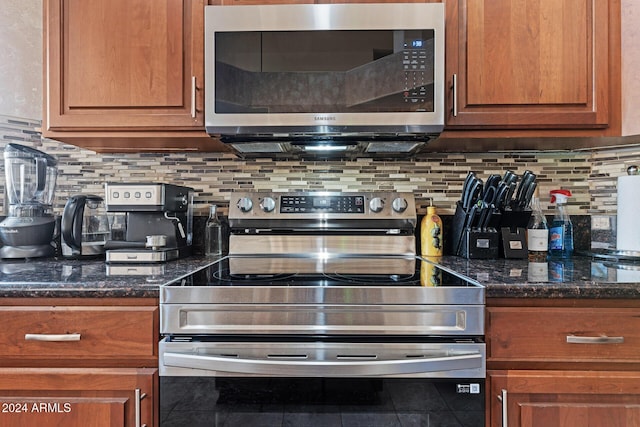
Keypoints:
pixel 561 230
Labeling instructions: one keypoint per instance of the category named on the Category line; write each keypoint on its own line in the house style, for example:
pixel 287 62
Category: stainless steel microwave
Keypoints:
pixel 360 79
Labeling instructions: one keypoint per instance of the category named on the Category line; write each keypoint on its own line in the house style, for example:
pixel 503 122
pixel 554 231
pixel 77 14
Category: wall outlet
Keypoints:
pixel 600 223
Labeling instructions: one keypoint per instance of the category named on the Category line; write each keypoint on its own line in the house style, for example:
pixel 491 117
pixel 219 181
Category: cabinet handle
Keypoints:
pixel 139 396
pixel 52 337
pixel 193 97
pixel 454 93
pixel 503 399
pixel 572 339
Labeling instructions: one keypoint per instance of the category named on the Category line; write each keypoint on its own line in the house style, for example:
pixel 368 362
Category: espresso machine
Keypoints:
pixel 158 222
pixel 29 228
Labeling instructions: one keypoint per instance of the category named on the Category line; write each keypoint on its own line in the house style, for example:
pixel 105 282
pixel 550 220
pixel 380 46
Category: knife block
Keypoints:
pixel 480 244
pixel 513 225
pixel 472 242
pixel 515 219
pixel 513 244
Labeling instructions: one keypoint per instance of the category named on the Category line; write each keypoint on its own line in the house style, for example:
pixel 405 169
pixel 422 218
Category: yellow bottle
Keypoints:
pixel 430 275
pixel 431 233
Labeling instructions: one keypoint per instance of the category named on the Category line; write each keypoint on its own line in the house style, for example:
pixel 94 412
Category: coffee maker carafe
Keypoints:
pixel 28 230
pixel 85 226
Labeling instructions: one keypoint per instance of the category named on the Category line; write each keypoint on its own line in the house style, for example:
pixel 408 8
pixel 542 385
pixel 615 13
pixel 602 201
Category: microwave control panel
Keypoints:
pixel 418 73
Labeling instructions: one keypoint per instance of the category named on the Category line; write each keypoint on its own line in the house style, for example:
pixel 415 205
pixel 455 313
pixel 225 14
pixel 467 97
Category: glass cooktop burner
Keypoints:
pixel 313 271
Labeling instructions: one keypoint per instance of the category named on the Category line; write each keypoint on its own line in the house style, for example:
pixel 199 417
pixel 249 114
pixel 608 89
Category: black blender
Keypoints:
pixel 28 230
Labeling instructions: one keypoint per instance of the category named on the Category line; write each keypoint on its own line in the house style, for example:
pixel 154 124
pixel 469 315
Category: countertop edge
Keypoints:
pixel 501 279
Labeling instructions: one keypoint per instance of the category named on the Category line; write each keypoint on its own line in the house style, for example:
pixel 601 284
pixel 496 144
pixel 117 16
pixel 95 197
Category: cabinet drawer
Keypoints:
pixel 48 332
pixel 563 334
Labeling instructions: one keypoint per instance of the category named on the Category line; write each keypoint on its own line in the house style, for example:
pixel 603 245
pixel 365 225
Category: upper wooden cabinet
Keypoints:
pixel 523 64
pixel 124 63
pixel 125 75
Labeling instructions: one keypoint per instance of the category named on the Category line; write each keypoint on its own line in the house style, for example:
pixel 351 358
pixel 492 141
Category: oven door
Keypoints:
pixel 321 383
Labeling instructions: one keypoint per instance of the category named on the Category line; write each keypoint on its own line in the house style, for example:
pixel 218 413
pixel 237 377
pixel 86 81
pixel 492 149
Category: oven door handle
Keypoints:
pixel 323 368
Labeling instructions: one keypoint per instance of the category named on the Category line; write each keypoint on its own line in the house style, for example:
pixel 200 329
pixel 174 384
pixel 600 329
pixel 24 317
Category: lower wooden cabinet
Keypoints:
pixel 564 398
pixel 48 397
pixel 563 363
pixel 79 362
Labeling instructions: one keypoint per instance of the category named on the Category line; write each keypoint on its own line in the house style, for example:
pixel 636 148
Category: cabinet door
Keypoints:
pixel 564 399
pixel 515 64
pixel 77 397
pixel 123 64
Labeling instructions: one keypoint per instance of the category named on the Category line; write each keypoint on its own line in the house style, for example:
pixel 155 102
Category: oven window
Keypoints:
pixel 317 402
pixel 324 71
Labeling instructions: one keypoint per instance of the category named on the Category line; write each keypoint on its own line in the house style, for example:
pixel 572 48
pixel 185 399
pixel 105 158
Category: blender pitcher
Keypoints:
pixel 28 230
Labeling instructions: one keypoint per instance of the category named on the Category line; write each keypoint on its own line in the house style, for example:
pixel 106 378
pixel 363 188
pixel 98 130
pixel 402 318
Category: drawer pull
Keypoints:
pixel 572 339
pixel 52 337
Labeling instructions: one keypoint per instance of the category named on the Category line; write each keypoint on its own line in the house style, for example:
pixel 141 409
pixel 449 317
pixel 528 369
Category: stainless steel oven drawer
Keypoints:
pixel 312 319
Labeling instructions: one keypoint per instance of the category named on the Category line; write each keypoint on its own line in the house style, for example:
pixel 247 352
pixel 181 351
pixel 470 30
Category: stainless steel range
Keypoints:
pixel 325 287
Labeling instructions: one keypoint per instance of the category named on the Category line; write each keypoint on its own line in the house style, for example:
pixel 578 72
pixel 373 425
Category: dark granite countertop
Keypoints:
pixel 91 278
pixel 579 277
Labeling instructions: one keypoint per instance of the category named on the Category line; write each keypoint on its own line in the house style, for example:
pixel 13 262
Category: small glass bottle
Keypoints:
pixel 213 233
pixel 537 232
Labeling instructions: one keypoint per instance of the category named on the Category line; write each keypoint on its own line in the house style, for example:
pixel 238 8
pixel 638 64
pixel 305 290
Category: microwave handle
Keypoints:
pixel 323 368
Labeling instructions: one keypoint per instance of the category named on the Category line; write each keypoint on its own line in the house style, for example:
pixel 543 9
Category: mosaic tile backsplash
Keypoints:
pixel 432 178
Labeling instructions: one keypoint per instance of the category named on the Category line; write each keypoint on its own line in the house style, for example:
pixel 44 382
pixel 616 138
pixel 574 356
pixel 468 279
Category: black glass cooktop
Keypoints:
pixel 319 271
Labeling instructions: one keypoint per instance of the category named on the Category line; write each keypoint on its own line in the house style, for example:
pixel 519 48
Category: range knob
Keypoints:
pixel 267 204
pixel 245 204
pixel 399 205
pixel 376 204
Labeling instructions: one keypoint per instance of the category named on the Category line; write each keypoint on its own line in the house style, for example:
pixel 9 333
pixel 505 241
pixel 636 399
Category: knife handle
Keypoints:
pixel 526 200
pixel 484 210
pixel 509 196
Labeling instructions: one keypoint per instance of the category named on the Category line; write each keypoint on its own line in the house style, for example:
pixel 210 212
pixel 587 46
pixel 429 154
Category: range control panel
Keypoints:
pixel 325 204
pixel 322 205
